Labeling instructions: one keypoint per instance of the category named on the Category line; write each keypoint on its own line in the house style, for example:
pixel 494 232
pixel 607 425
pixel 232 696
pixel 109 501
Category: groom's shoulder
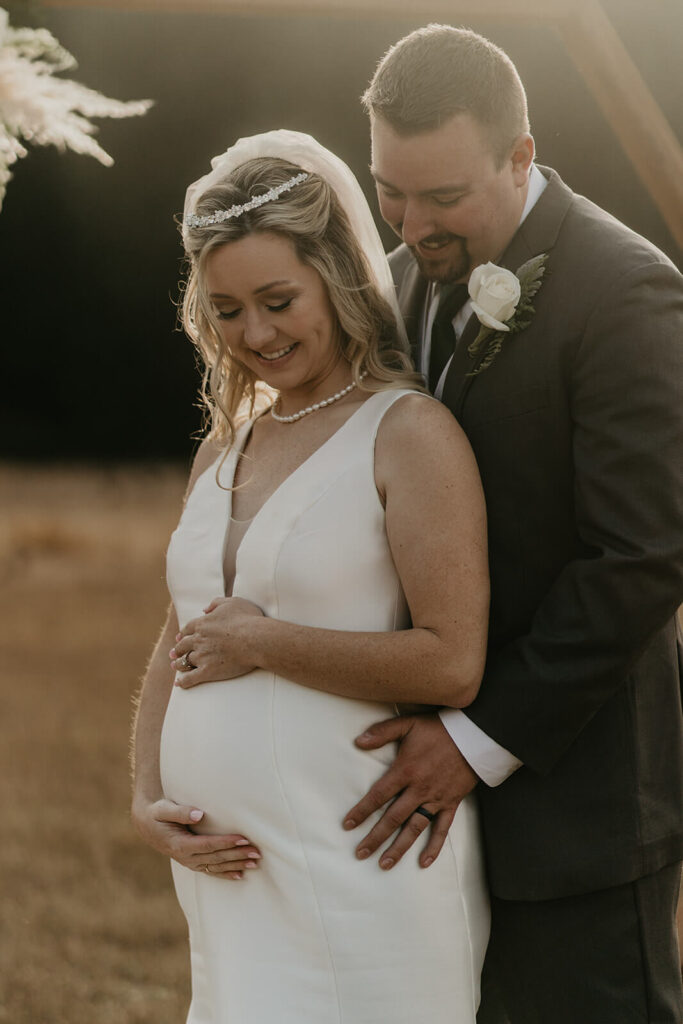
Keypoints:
pixel 600 239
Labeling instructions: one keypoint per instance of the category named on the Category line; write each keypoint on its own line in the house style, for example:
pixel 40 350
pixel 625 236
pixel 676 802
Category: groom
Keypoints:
pixel 575 415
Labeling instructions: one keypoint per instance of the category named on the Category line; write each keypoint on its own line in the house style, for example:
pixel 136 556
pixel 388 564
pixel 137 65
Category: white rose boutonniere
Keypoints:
pixel 502 303
pixel 495 293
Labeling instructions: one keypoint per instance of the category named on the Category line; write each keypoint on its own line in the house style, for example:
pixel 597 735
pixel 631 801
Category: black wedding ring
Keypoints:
pixel 427 814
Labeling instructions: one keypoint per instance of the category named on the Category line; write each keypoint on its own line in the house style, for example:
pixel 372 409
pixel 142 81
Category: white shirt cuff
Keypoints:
pixel 492 763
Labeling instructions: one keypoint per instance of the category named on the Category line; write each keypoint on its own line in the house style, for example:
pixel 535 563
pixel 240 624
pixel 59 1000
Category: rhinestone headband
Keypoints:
pixel 194 221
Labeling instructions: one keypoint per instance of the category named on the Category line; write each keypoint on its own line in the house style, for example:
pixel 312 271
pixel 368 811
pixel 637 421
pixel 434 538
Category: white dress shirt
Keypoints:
pixel 492 762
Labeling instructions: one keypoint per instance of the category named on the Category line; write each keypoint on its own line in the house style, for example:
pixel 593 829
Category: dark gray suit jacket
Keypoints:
pixel 577 427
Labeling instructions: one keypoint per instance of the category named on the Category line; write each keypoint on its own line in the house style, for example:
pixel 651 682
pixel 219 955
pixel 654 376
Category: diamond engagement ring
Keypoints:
pixel 185 663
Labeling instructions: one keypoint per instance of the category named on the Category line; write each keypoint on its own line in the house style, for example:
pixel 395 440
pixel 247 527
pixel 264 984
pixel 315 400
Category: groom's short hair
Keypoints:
pixel 439 71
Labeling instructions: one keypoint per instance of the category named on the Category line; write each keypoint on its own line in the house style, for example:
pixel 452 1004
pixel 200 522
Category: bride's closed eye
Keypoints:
pixel 230 314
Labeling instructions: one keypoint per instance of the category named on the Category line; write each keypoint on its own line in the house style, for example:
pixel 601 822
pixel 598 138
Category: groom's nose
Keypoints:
pixel 417 223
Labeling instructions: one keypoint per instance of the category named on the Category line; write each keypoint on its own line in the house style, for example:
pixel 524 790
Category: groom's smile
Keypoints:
pixel 442 257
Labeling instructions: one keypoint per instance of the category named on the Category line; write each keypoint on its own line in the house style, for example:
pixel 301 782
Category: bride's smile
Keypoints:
pixel 275 316
pixel 272 357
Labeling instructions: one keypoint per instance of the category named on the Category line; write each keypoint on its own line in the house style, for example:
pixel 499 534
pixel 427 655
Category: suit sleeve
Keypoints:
pixel 608 604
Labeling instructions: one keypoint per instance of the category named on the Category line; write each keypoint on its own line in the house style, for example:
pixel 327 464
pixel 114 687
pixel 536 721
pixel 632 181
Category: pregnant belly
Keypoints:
pixel 255 752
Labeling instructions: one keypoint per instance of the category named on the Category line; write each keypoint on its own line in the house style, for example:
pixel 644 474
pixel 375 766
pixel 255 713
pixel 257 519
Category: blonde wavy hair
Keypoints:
pixel 312 218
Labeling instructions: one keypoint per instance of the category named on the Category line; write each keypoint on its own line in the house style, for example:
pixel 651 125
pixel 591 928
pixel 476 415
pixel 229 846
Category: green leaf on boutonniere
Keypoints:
pixel 530 276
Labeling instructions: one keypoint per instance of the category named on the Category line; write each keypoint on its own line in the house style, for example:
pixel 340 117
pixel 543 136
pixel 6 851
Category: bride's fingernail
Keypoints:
pixel 196 815
pixel 242 842
pixel 254 856
pixel 250 864
pixel 178 636
pixel 386 863
pixel 171 654
pixel 235 874
pixel 362 854
pixel 349 823
pixel 427 861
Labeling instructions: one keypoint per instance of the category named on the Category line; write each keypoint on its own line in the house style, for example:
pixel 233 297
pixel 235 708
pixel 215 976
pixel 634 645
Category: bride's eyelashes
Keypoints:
pixel 232 313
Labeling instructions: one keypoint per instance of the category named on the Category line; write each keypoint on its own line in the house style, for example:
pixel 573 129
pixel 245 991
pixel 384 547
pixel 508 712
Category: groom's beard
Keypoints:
pixel 445 265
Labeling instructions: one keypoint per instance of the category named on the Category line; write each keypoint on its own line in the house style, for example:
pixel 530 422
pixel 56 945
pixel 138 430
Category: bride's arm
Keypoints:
pixel 436 526
pixel 162 823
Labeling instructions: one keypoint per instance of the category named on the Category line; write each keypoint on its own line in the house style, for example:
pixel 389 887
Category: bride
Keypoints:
pixel 329 563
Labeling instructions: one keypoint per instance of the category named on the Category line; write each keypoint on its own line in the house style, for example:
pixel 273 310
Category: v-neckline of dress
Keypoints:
pixel 241 439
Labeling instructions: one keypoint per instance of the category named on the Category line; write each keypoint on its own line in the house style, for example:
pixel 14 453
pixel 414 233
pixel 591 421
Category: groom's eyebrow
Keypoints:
pixel 442 190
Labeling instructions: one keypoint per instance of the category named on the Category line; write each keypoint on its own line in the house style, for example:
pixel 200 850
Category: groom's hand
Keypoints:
pixel 429 772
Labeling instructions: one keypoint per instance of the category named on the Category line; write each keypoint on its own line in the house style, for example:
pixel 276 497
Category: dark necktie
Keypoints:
pixel 452 298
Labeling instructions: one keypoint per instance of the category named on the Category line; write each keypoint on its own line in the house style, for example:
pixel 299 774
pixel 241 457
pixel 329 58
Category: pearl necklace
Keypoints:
pixel 311 408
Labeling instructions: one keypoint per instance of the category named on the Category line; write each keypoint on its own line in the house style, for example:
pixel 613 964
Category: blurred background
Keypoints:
pixel 98 418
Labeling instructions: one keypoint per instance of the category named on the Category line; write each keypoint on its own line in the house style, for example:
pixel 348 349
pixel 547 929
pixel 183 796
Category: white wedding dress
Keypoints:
pixel 314 936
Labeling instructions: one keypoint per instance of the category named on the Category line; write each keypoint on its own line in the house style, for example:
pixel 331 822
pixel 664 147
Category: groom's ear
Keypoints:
pixel 521 157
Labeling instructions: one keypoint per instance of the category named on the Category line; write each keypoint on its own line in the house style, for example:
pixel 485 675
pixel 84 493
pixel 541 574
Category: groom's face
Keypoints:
pixel 446 196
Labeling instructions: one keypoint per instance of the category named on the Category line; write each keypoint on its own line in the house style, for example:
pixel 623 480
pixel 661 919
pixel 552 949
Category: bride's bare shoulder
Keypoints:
pixel 417 419
pixel 420 441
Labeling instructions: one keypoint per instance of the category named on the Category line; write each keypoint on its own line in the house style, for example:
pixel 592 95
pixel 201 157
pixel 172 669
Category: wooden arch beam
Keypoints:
pixel 629 107
pixel 543 10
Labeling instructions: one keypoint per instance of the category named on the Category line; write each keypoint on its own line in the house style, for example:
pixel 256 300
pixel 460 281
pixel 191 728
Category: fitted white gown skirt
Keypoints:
pixel 314 936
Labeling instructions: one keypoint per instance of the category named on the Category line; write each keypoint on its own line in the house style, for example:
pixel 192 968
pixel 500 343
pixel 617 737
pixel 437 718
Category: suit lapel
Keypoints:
pixel 412 293
pixel 536 235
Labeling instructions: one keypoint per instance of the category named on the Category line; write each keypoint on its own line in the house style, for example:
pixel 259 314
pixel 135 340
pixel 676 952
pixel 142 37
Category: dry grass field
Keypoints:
pixel 90 932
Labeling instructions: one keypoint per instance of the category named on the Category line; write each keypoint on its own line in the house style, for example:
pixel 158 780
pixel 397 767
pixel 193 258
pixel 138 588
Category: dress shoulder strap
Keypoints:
pixel 379 404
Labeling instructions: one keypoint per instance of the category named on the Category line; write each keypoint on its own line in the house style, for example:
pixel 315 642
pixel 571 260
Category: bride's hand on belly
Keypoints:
pixel 216 646
pixel 167 827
